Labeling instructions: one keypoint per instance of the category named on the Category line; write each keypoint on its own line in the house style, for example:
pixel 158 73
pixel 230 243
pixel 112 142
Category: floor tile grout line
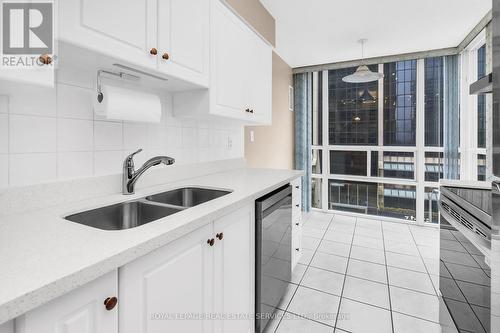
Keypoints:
pixel 388 283
pixel 345 276
pixel 290 301
pixel 425 266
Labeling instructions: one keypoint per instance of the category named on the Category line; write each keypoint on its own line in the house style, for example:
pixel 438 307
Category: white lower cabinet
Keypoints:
pixel 234 271
pixel 174 281
pixel 200 283
pixel 80 311
pixel 208 272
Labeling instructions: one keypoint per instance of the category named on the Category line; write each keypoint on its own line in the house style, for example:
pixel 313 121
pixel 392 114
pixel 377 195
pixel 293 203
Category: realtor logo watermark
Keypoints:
pixel 28 33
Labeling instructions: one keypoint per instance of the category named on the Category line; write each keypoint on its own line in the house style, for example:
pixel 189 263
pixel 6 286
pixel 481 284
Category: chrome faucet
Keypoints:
pixel 130 175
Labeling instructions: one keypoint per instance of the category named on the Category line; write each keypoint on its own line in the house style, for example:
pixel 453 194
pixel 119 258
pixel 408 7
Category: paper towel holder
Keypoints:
pixel 121 75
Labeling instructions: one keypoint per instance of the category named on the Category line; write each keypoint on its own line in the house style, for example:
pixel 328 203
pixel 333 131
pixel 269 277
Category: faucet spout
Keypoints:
pixel 130 175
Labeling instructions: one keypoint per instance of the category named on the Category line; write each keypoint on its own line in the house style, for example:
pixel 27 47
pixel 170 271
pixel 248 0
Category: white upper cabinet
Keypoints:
pixel 183 39
pixel 92 308
pixel 123 29
pixel 170 36
pixel 240 73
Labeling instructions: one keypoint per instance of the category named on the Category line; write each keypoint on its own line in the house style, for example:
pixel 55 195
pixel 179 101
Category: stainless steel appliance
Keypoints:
pixel 465 247
pixel 273 252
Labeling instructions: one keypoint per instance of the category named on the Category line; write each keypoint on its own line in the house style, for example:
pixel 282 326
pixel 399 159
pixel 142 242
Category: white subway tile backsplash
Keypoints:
pixel 189 137
pixel 4 133
pixel 28 134
pixel 174 137
pixel 75 164
pixel 4 170
pixel 4 104
pixel 74 102
pixel 32 100
pixel 48 134
pixel 75 135
pixel 27 169
pixel 108 135
pixel 108 162
pixel 135 135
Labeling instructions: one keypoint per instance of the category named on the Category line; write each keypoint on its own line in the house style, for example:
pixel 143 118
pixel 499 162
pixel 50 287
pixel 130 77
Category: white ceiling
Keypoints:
pixel 312 32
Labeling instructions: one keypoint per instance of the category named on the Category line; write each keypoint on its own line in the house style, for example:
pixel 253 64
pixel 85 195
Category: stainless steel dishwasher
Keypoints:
pixel 273 252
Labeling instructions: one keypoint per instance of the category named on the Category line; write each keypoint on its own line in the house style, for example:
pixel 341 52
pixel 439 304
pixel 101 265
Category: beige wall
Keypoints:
pixel 257 16
pixel 273 146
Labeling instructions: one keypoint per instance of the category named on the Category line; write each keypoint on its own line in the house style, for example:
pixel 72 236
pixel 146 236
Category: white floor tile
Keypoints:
pixel 367 270
pixel 306 256
pixel 411 280
pixel 315 305
pixel 415 304
pixel 397 236
pixel 310 243
pixel 291 323
pixel 367 254
pixel 405 324
pixel 365 291
pixel 429 251
pixel 339 249
pixel 336 236
pixel 344 218
pixel 298 273
pixel 320 279
pixel 329 262
pixel 310 230
pixel 368 232
pixel 362 318
pixel 364 241
pixel 408 248
pixel 342 227
pixel 368 223
pixel 432 265
pixel 405 261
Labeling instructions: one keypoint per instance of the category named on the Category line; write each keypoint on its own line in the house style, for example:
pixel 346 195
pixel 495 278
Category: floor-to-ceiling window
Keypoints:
pixel 378 145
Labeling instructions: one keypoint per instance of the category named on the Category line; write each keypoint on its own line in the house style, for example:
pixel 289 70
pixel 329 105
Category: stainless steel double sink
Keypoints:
pixel 134 213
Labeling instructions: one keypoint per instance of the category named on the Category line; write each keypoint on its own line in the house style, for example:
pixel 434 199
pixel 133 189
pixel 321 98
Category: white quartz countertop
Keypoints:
pixel 43 256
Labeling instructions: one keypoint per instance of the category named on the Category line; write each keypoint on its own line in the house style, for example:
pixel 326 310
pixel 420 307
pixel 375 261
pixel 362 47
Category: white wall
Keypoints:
pixel 48 134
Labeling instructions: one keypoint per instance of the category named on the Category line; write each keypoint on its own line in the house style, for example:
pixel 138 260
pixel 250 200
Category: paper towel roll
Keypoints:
pixel 125 104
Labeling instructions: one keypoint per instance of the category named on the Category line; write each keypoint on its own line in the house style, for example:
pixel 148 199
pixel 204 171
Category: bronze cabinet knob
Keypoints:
pixel 165 56
pixel 110 303
pixel 45 59
pixel 153 51
pixel 220 236
pixel 211 242
pixel 297 187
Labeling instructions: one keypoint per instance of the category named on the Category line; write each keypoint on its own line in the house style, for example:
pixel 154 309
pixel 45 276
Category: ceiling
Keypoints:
pixel 312 32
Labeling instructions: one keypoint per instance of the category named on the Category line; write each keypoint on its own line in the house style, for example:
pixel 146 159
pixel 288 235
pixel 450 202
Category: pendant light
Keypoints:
pixel 362 74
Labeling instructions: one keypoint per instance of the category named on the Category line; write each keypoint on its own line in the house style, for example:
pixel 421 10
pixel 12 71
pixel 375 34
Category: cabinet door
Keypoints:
pixel 228 59
pixel 7 327
pixel 125 29
pixel 80 311
pixel 260 80
pixel 183 36
pixel 158 290
pixel 234 270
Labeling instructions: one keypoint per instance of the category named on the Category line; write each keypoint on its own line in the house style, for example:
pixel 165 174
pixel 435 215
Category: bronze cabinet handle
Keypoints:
pixel 220 236
pixel 110 303
pixel 211 242
pixel 153 51
pixel 45 59
pixel 165 56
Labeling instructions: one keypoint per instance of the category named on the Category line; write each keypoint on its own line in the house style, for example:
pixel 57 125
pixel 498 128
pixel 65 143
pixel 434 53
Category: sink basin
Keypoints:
pixel 123 215
pixel 187 197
